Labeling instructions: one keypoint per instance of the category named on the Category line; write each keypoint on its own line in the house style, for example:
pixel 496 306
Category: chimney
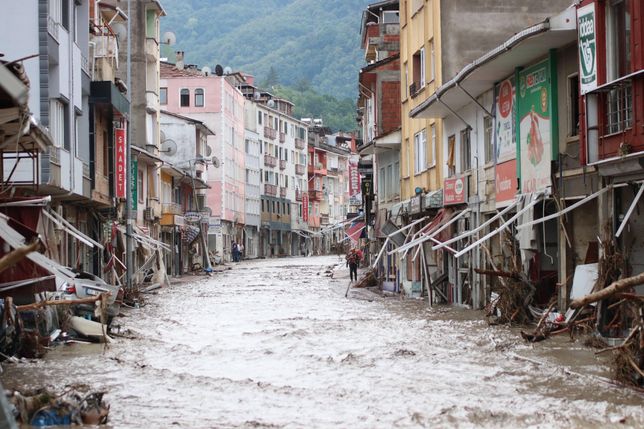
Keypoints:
pixel 179 60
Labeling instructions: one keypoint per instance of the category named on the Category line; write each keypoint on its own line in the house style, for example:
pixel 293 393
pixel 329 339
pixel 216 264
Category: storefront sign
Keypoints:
pixel 454 191
pixel 587 48
pixel 121 172
pixel 535 127
pixel 214 225
pixel 504 127
pixel 134 173
pixel 506 183
pixel 305 207
pixel 355 195
pixel 415 204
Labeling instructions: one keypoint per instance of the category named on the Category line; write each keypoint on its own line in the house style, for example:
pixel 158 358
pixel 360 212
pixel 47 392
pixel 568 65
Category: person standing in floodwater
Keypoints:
pixel 353 259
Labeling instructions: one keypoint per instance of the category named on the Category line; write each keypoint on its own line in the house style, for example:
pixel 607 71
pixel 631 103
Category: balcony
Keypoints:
pixel 282 137
pixel 282 164
pixel 270 190
pixel 315 195
pixel 270 160
pixel 299 169
pixel 283 192
pixel 270 133
pixel 171 208
pixel 317 169
pixel 299 144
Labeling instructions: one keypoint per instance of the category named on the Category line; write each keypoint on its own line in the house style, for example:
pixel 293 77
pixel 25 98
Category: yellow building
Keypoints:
pixel 420 44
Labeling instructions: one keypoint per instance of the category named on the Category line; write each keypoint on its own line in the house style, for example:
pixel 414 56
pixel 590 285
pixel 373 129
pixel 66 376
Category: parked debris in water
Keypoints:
pixel 76 405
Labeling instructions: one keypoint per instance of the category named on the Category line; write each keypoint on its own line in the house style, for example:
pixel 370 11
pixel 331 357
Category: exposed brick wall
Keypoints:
pixel 390 109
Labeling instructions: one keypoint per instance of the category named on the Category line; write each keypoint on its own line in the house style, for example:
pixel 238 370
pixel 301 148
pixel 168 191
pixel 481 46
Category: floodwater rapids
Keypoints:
pixel 274 343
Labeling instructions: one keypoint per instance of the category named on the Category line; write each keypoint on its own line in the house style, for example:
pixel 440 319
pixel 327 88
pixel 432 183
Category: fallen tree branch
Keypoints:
pixel 16 255
pixel 615 287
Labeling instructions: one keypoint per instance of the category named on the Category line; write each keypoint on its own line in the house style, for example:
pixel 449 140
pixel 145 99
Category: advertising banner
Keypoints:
pixel 305 207
pixel 134 173
pixel 504 127
pixel 454 191
pixel 121 173
pixel 214 225
pixel 506 183
pixel 587 48
pixel 535 126
pixel 355 192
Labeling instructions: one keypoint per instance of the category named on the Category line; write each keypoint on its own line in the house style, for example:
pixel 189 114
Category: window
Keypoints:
pixel 487 138
pixel 262 205
pixel 405 87
pixel 57 122
pixel 163 96
pixel 466 150
pixel 432 59
pixel 619 108
pixel 199 101
pixel 259 118
pixel 418 69
pixel 381 184
pixel 431 150
pixel 396 178
pixel 618 39
pixel 389 185
pixel 390 17
pixel 273 204
pixel 408 160
pixel 139 186
pixel 451 155
pixel 573 105
pixel 185 97
pixel 420 143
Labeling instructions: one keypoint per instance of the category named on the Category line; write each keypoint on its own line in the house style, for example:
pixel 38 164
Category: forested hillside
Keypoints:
pixel 282 41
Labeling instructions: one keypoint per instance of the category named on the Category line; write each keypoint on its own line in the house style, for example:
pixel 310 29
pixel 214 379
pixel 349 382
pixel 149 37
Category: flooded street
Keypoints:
pixel 275 343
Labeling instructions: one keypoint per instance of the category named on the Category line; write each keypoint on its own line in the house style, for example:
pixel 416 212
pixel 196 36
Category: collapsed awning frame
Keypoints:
pixel 71 230
pixel 630 211
pixel 434 233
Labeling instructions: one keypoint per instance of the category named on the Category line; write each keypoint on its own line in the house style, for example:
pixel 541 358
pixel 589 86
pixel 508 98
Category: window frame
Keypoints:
pixel 163 96
pixel 184 96
pixel 199 92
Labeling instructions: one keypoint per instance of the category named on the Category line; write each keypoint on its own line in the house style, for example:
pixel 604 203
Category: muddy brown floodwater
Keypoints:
pixel 274 343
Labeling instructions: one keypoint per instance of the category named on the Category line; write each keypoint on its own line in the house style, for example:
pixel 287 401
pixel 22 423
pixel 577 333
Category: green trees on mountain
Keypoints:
pixel 311 46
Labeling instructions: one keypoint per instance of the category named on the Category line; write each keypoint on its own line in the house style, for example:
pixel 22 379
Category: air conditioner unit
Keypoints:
pixel 148 213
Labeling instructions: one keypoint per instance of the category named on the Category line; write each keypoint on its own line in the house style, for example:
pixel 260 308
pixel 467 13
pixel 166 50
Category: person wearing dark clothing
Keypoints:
pixel 353 259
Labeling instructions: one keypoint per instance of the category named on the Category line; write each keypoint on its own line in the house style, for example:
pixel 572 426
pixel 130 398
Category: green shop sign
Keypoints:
pixel 134 174
pixel 537 119
pixel 587 48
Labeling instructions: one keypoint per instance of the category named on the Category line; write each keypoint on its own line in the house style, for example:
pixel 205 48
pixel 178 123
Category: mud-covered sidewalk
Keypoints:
pixel 275 343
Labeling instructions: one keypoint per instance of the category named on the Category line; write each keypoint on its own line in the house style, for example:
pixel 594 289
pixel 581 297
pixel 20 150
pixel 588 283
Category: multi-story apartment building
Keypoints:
pixel 282 153
pixel 252 148
pixel 219 104
pixel 59 75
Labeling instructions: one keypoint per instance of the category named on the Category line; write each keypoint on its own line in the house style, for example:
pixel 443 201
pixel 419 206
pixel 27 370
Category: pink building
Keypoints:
pixel 216 101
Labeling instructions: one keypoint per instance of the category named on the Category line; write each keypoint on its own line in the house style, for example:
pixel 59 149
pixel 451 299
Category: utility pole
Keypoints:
pixel 128 156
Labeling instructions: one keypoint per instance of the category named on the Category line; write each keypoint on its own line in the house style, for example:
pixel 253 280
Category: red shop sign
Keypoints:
pixel 506 182
pixel 121 172
pixel 305 207
pixel 454 191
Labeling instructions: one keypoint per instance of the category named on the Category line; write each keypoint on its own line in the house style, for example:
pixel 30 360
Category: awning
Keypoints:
pixel 144 155
pixel 144 240
pixel 482 74
pixel 15 240
pixel 434 230
pixel 70 229
pixel 354 231
pixel 617 82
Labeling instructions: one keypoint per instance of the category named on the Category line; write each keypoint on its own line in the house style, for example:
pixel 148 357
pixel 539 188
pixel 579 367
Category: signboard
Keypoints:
pixel 214 225
pixel 504 127
pixel 192 217
pixel 121 175
pixel 454 191
pixel 134 174
pixel 415 204
pixel 506 183
pixel 355 195
pixel 587 48
pixel 305 207
pixel 535 126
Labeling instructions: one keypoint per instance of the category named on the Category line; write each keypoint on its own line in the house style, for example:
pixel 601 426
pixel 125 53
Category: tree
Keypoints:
pixel 272 79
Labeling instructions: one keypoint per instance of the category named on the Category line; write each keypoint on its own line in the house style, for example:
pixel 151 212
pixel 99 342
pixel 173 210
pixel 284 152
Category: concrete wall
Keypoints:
pixel 471 28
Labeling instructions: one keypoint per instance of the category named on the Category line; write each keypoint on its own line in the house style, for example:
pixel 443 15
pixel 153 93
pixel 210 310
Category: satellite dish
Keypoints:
pixel 120 30
pixel 227 70
pixel 270 104
pixel 207 71
pixel 257 95
pixel 215 162
pixel 169 38
pixel 169 147
pixel 208 151
pixel 219 70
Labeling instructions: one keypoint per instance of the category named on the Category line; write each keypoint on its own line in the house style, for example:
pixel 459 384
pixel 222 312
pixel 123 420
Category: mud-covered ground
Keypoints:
pixel 275 343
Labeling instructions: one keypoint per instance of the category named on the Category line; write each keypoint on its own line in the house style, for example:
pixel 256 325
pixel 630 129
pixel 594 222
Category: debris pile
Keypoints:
pixel 77 405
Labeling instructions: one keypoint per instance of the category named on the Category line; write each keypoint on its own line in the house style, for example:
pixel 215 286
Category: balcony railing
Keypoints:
pixel 270 133
pixel 282 137
pixel 299 144
pixel 270 190
pixel 270 160
pixel 282 164
pixel 171 208
pixel 283 192
pixel 315 195
pixel 299 169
